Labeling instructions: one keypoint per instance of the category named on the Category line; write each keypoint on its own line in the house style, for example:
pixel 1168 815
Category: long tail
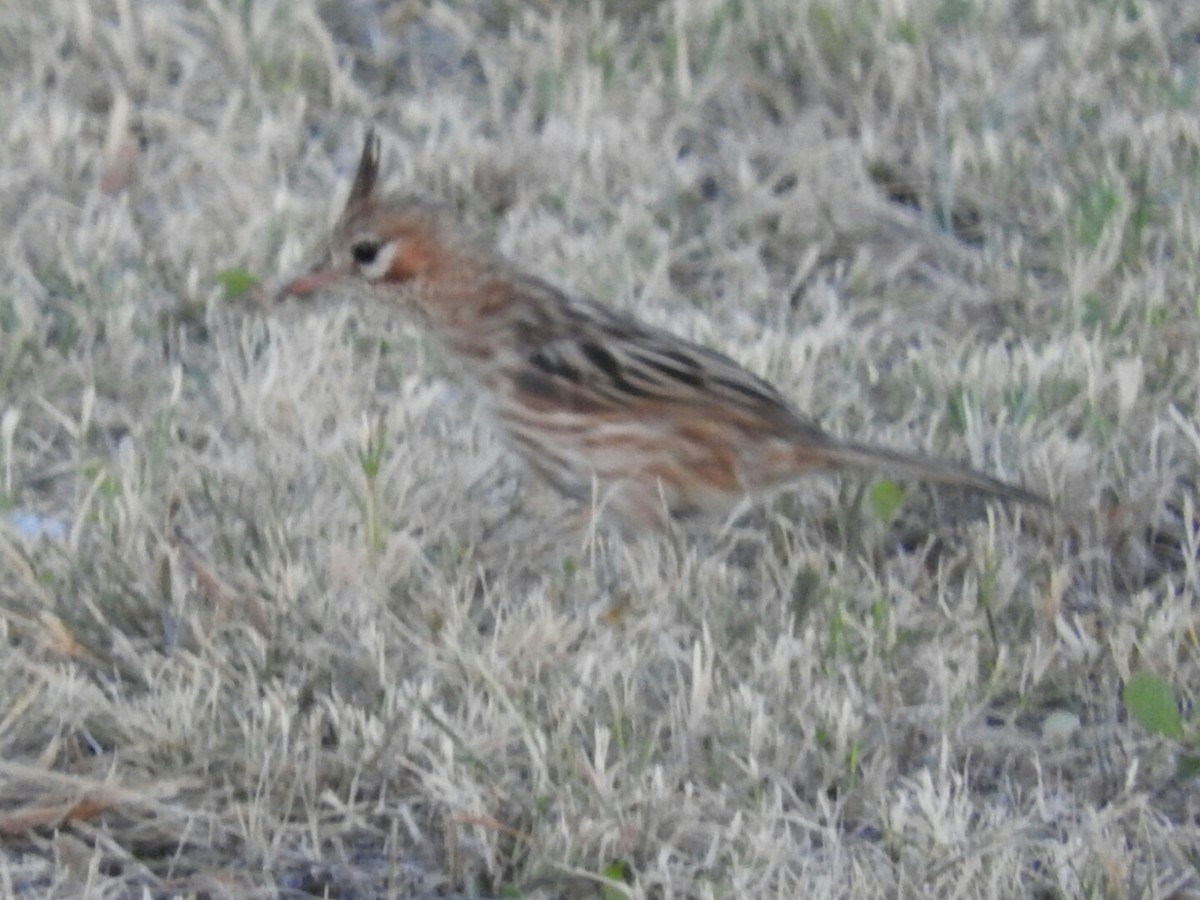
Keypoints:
pixel 908 465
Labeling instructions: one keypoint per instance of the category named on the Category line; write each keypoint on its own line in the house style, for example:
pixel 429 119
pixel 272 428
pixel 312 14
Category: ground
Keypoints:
pixel 279 615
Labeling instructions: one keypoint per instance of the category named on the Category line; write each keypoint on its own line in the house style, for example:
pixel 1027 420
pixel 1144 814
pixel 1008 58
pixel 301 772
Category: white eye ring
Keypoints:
pixel 376 267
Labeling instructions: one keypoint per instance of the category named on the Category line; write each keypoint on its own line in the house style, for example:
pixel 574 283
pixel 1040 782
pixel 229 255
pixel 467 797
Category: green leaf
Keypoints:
pixel 236 282
pixel 885 498
pixel 1151 702
pixel 1187 767
pixel 614 871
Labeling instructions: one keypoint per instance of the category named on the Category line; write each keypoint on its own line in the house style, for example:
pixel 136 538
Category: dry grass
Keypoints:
pixel 296 630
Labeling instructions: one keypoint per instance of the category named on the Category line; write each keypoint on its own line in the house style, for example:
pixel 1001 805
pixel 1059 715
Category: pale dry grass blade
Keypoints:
pixel 252 647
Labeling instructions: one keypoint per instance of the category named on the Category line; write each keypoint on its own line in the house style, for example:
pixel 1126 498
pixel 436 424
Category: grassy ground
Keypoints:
pixel 280 618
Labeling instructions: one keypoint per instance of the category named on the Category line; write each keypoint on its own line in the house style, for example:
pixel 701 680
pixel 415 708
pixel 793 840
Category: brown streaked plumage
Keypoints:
pixel 591 398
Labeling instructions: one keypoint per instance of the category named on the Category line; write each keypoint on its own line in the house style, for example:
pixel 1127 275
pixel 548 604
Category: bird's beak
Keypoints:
pixel 319 276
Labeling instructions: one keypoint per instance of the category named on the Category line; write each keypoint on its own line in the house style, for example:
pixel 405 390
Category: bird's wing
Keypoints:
pixel 594 360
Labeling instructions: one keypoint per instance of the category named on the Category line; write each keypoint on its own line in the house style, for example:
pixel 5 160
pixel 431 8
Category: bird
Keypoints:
pixel 607 409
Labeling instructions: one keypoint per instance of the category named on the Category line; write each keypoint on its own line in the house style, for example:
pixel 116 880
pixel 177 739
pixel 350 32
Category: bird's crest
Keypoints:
pixel 368 172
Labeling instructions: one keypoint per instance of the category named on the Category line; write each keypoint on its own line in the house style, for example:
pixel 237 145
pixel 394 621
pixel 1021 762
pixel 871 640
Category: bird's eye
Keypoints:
pixel 365 251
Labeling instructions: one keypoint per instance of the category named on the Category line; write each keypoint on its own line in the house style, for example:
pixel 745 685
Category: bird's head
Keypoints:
pixel 387 241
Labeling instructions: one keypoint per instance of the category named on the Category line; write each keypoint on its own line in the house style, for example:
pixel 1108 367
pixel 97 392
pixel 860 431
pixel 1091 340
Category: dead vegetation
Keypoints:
pixel 280 618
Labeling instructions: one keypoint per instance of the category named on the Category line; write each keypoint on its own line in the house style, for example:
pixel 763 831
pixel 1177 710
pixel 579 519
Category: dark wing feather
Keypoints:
pixel 590 358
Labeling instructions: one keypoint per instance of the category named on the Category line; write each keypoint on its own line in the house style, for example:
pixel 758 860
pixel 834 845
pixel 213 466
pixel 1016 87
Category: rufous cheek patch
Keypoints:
pixel 412 258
